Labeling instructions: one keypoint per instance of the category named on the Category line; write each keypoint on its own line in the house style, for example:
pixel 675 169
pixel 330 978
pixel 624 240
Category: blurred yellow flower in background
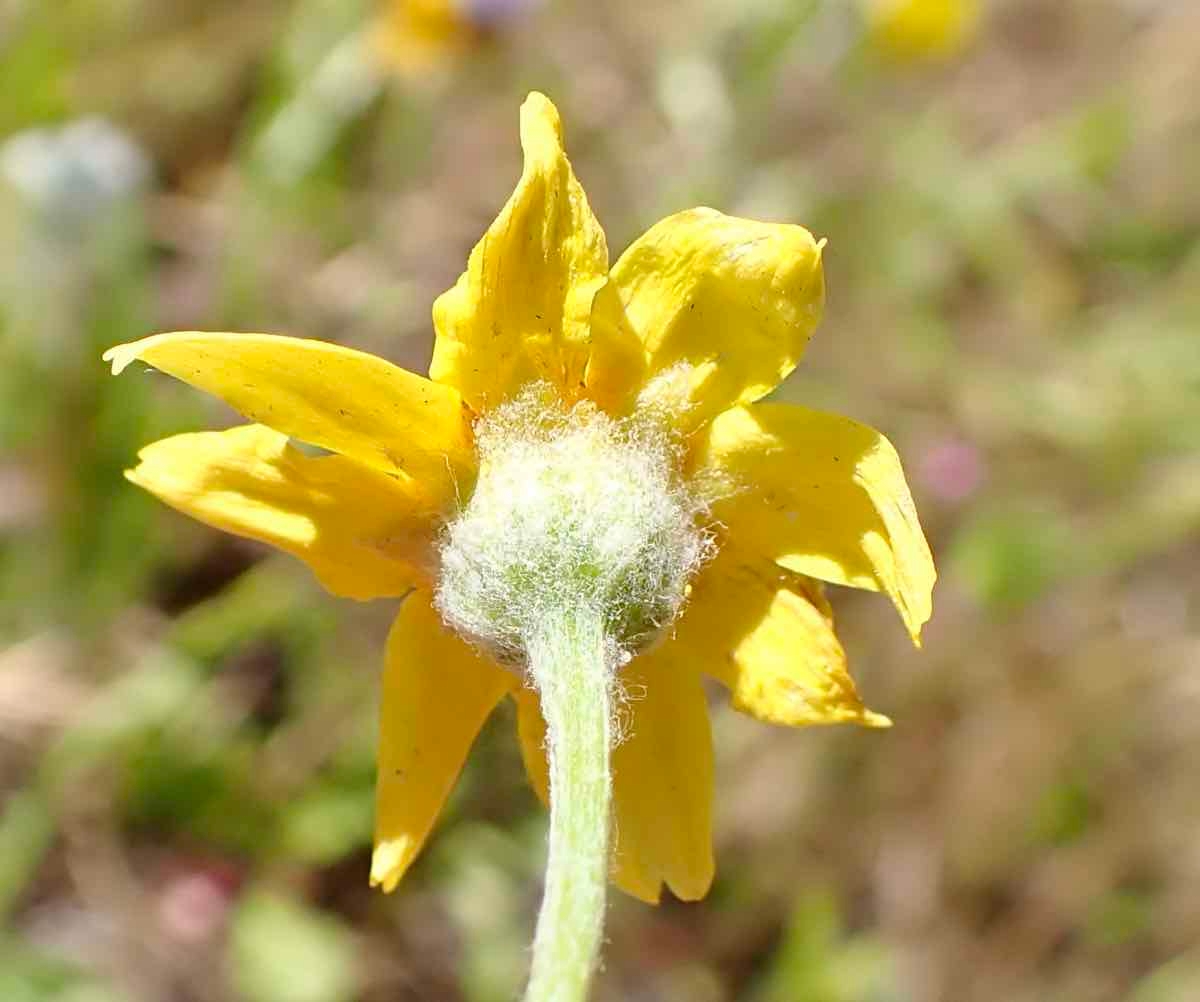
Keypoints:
pixel 701 317
pixel 413 37
pixel 921 30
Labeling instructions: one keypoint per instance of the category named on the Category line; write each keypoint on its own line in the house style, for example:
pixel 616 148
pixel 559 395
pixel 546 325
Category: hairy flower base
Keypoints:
pixel 571 509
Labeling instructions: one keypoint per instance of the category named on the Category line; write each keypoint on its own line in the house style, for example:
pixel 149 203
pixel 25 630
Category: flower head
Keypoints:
pixel 415 36
pixel 914 31
pixel 586 430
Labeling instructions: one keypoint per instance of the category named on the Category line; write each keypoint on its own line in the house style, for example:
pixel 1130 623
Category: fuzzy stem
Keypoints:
pixel 570 667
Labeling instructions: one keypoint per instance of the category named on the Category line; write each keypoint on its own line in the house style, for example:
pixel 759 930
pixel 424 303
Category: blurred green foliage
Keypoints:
pixel 286 952
pixel 187 724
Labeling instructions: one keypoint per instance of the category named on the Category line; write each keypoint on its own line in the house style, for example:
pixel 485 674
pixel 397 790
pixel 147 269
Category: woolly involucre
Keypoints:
pixel 571 509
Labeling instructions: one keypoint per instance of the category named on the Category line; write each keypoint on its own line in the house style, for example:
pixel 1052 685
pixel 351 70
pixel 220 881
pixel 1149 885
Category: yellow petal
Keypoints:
pixel 732 301
pixel 663 782
pixel 520 311
pixel 436 694
pixel 825 496
pixel 616 369
pixel 766 633
pixel 363 533
pixel 662 778
pixel 343 400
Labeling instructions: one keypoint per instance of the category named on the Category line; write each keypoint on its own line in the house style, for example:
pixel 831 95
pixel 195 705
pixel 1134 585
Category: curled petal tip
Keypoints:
pixel 875 720
pixel 537 113
pixel 385 885
pixel 384 874
pixel 535 100
pixel 118 358
pixel 917 624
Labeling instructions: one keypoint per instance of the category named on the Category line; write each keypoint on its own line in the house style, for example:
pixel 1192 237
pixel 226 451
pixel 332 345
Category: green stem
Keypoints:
pixel 570 668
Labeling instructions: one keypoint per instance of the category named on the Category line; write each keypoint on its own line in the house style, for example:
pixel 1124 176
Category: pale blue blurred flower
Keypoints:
pixel 72 174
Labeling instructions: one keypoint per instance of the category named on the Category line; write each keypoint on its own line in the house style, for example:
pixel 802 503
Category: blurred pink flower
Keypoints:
pixel 952 469
pixel 194 901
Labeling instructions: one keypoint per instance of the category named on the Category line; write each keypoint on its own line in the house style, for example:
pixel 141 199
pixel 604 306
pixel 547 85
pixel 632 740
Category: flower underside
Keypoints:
pixel 571 507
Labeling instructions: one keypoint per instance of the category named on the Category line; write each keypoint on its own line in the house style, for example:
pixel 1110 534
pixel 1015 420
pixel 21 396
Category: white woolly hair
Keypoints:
pixel 571 508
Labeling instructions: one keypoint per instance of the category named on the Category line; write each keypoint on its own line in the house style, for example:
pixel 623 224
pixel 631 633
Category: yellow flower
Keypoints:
pixel 921 30
pixel 702 316
pixel 416 36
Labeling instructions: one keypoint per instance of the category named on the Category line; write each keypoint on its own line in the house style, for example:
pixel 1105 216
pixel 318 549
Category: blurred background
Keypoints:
pixel 187 723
